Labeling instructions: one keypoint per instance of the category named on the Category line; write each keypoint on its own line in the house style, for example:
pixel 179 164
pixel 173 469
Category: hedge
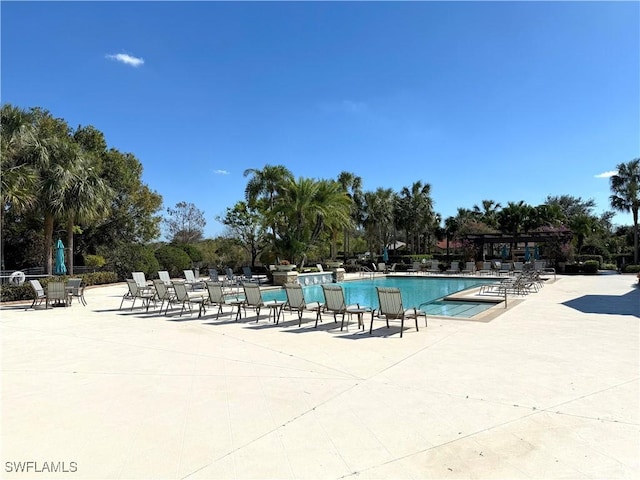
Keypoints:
pixel 12 293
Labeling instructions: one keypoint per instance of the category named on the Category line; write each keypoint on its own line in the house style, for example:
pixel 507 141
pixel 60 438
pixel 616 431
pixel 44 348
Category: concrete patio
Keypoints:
pixel 547 389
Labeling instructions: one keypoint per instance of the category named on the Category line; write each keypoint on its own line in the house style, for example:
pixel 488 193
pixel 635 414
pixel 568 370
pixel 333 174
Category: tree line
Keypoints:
pixel 56 179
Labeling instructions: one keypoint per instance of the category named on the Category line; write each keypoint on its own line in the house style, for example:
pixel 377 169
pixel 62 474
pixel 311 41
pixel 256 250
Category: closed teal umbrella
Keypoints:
pixel 527 254
pixel 59 268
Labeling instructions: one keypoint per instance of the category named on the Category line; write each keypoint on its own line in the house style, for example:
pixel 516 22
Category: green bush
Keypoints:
pixel 133 258
pixel 632 269
pixel 609 266
pixel 95 261
pixel 590 266
pixel 587 258
pixel 194 252
pixel 172 259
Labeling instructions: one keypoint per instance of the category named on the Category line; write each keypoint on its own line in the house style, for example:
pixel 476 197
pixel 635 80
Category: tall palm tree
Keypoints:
pixel 352 185
pixel 19 181
pixel 379 216
pixel 305 209
pixel 87 199
pixel 264 186
pixel 626 195
pixel 416 212
pixel 488 212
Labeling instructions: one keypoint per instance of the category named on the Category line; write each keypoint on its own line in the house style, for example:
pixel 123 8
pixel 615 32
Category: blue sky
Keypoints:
pixel 502 101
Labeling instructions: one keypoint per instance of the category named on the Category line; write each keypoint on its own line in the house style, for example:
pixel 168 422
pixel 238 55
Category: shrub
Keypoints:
pixel 172 259
pixel 97 261
pixel 194 252
pixel 133 258
pixel 609 266
pixel 590 266
pixel 632 269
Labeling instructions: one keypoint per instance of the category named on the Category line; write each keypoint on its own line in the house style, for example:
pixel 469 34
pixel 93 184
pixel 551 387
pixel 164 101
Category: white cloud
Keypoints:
pixel 126 59
pixel 221 172
pixel 608 174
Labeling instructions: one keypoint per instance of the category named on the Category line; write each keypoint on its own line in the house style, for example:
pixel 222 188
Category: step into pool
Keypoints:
pixel 451 308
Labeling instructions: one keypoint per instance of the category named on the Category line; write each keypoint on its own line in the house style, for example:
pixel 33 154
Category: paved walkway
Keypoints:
pixel 548 389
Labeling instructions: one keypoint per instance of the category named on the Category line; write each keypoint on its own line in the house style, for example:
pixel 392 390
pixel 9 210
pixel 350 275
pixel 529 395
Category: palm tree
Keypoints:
pixel 264 186
pixel 488 214
pixel 87 199
pixel 379 216
pixel 352 185
pixel 626 195
pixel 19 181
pixel 415 212
pixel 305 208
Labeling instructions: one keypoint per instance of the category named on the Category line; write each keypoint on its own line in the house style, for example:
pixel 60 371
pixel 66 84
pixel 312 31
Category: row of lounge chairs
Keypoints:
pixel 214 295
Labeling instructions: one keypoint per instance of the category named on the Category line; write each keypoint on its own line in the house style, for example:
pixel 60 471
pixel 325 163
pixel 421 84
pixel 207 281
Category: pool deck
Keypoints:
pixel 548 388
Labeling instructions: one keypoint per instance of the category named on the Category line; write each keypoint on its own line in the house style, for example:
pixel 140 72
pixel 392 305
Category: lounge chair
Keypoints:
pixel 253 299
pixel 335 302
pixel 416 267
pixel 469 268
pixel 189 298
pixel 486 268
pixel 434 267
pixel 382 267
pixel 319 267
pixel 39 295
pixel 76 289
pixel 390 307
pixel 249 276
pixel 219 298
pixel 454 268
pixel 191 281
pixel 518 267
pixel 164 293
pixel 505 267
pixel 164 276
pixel 146 295
pixel 296 301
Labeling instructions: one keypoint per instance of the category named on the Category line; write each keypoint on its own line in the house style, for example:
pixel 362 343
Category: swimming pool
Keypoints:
pixel 426 293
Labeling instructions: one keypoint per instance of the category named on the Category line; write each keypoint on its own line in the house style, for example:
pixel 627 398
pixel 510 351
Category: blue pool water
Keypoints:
pixel 416 291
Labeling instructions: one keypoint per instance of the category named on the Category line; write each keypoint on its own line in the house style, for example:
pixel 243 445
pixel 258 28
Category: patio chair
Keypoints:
pixel 415 268
pixel 253 299
pixel 164 276
pixel 434 267
pixel 249 276
pixel 191 281
pixel 335 302
pixel 486 268
pixel 219 298
pixel 297 302
pixel 518 267
pixel 164 293
pixel 76 289
pixel 382 267
pixel 390 307
pixel 147 294
pixel 39 295
pixel 57 292
pixel 505 267
pixel 189 298
pixel 231 279
pixel 469 268
pixel 454 267
pixel 214 276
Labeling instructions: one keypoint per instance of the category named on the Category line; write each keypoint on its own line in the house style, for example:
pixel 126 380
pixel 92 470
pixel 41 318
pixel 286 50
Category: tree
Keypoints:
pixel 626 195
pixel 305 209
pixel 352 185
pixel 263 188
pixel 415 212
pixel 185 223
pixel 245 223
pixel 379 217
pixel 19 180
pixel 488 214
